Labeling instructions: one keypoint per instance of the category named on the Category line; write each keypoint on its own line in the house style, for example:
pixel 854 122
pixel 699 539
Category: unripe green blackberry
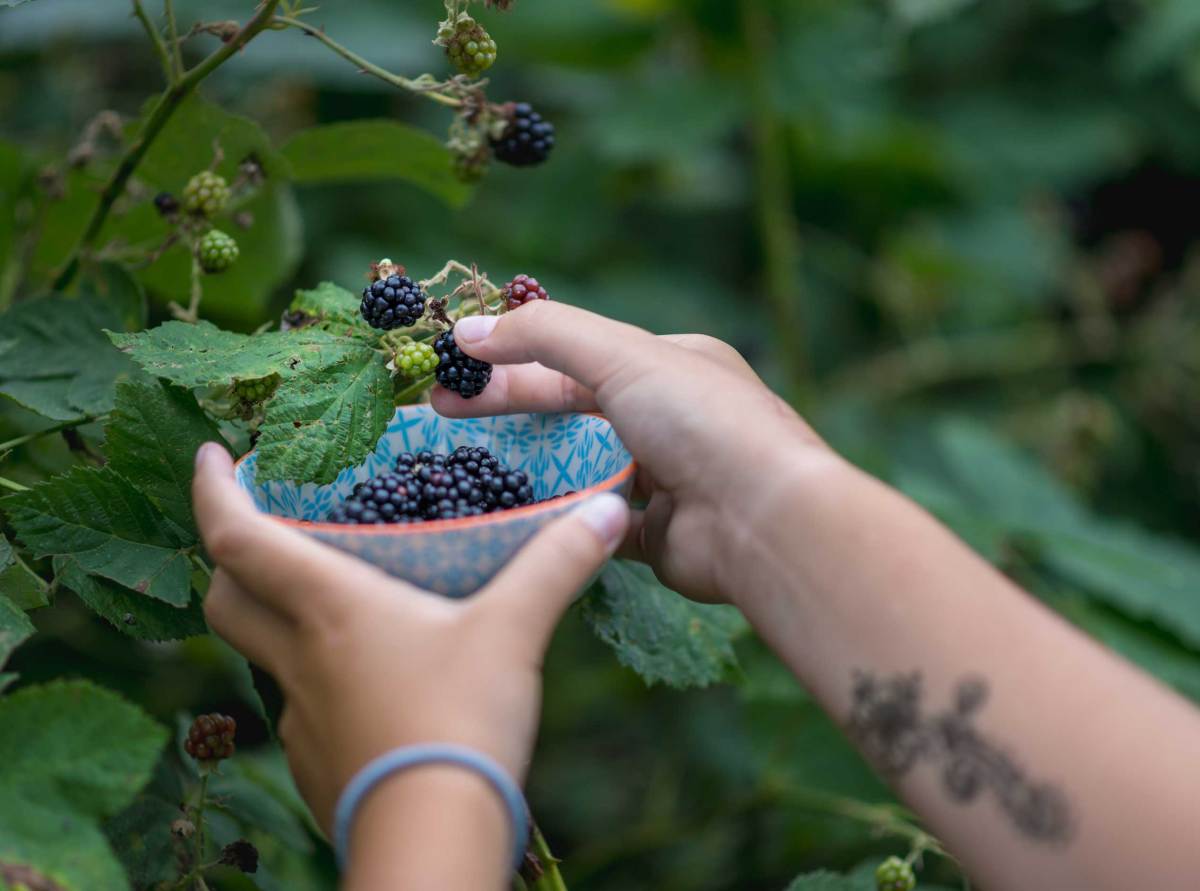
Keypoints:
pixel 206 194
pixel 217 251
pixel 257 390
pixel 470 168
pixel 210 738
pixel 894 874
pixel 468 45
pixel 414 360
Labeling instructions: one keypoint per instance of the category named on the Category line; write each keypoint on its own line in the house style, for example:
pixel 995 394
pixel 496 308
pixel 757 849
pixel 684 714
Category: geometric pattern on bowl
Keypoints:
pixel 559 452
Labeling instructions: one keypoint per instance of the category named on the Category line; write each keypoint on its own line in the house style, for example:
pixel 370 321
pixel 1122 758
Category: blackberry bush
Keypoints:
pixel 217 251
pixel 521 290
pixel 526 140
pixel 205 194
pixel 457 371
pixel 392 302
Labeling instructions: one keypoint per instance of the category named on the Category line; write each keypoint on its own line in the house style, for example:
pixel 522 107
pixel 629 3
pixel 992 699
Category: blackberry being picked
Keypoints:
pixel 894 874
pixel 527 140
pixel 392 302
pixel 457 371
pixel 210 738
pixel 205 194
pixel 521 290
pixel 217 251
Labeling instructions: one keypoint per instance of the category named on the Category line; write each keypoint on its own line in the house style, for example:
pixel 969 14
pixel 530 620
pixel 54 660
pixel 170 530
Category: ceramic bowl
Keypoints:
pixel 577 453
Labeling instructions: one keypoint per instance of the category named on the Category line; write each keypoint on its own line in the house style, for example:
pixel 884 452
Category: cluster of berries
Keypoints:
pixel 469 47
pixel 256 390
pixel 468 482
pixel 205 195
pixel 895 874
pixel 395 301
pixel 210 738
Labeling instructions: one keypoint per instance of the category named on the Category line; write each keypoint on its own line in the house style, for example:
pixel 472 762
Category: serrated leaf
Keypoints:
pixel 15 628
pixel 110 528
pixel 152 436
pixel 333 308
pixel 202 354
pixel 55 359
pixel 20 584
pixel 137 615
pixel 659 634
pixel 319 424
pixel 373 151
pixel 141 836
pixel 73 754
pixel 823 880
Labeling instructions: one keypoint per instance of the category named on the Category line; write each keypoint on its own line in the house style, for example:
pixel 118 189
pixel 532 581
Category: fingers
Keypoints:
pixel 718 351
pixel 255 630
pixel 517 388
pixel 536 588
pixel 584 346
pixel 289 571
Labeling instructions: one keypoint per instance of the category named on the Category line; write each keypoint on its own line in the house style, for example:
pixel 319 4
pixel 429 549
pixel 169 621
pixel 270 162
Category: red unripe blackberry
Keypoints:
pixel 457 371
pixel 210 738
pixel 521 290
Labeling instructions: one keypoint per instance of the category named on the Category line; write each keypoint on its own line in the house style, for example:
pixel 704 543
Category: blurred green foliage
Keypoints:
pixel 959 234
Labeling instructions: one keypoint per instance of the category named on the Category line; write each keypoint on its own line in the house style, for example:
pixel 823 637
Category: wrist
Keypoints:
pixel 435 826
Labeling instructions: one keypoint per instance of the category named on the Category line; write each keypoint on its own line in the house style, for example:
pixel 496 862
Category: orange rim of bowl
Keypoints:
pixel 513 513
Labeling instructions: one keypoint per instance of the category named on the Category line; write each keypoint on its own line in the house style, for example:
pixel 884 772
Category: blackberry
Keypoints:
pixel 457 371
pixel 205 194
pixel 521 290
pixel 527 140
pixel 241 855
pixel 166 204
pixel 393 302
pixel 217 251
pixel 415 360
pixel 210 738
pixel 894 874
pixel 257 390
pixel 469 47
pixel 469 482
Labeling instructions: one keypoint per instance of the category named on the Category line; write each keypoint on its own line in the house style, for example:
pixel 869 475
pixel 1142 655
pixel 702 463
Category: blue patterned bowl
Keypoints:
pixel 560 453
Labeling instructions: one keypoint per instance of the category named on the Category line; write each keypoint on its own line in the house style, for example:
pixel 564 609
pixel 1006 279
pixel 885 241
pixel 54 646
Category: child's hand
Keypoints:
pixel 713 444
pixel 368 662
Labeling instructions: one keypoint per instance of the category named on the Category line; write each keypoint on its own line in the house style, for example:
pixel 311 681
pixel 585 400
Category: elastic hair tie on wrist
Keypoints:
pixel 377 770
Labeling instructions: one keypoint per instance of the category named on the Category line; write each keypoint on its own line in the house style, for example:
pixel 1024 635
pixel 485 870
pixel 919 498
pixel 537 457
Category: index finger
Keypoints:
pixel 289 571
pixel 586 347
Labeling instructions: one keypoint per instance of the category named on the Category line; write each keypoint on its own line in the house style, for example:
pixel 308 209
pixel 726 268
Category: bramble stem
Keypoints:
pixel 404 83
pixel 173 35
pixel 160 48
pixel 12 485
pixel 167 103
pixel 551 879
pixel 57 428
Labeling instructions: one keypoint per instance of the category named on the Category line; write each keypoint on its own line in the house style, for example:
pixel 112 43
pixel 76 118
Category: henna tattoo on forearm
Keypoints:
pixel 886 721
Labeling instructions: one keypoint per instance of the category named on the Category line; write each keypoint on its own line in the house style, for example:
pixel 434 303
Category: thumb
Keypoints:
pixel 541 581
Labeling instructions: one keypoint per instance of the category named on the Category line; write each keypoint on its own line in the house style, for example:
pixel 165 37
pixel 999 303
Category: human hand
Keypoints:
pixel 367 662
pixel 713 444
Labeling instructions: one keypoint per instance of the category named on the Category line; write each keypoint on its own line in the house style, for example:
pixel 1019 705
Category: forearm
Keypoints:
pixel 1041 759
pixel 436 827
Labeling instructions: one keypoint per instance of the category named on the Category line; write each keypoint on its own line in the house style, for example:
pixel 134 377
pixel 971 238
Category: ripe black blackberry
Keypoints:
pixel 393 302
pixel 527 140
pixel 457 371
pixel 210 738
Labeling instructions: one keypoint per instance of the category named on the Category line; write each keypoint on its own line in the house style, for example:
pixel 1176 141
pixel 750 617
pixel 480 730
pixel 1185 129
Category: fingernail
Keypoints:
pixel 473 329
pixel 607 516
pixel 204 452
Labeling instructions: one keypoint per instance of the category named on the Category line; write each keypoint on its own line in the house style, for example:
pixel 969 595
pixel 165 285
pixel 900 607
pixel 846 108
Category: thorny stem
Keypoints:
pixel 12 485
pixel 198 820
pixel 433 91
pixel 550 879
pixel 168 102
pixel 462 269
pixel 173 35
pixel 57 428
pixel 160 48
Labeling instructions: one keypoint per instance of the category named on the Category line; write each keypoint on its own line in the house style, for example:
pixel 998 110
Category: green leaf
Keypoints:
pixel 55 359
pixel 137 615
pixel 152 437
pixel 113 284
pixel 319 424
pixel 659 634
pixel 15 628
pixel 823 880
pixel 73 754
pixel 141 836
pixel 110 528
pixel 20 584
pixel 202 354
pixel 333 308
pixel 356 151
